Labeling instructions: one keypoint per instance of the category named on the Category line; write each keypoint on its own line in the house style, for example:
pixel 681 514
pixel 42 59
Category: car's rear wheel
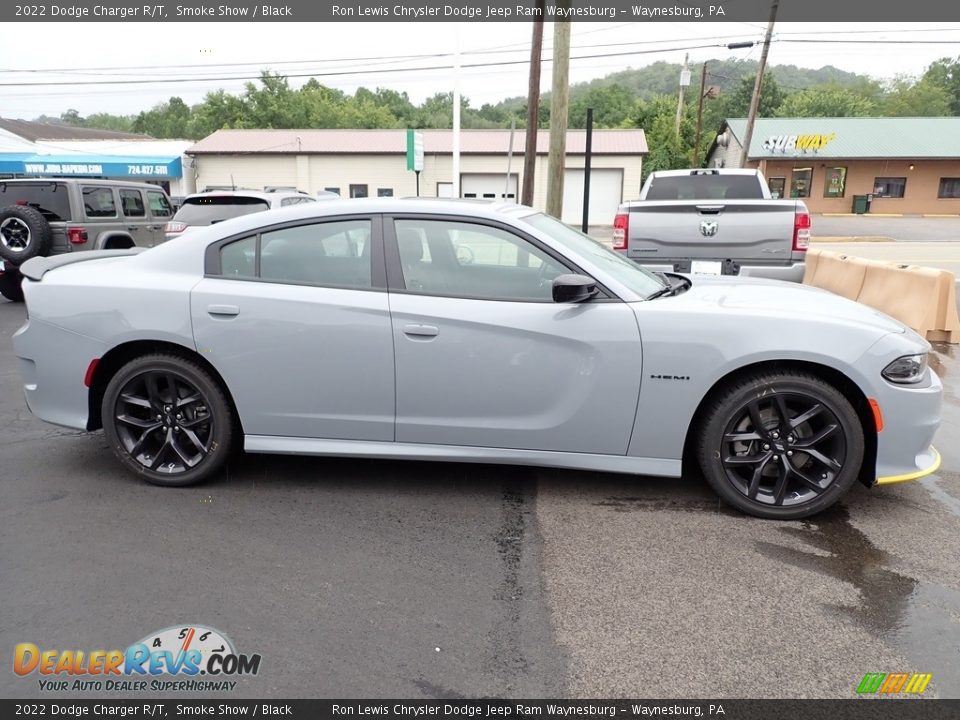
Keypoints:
pixel 782 445
pixel 167 419
pixel 10 286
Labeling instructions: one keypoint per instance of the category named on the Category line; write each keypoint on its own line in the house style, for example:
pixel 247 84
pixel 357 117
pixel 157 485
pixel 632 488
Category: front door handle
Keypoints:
pixel 223 310
pixel 421 330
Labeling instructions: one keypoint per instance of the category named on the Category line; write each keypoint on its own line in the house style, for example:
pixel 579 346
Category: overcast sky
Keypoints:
pixel 91 52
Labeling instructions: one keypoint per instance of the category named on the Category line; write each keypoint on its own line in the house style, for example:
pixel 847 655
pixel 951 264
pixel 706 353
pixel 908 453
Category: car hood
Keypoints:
pixel 755 296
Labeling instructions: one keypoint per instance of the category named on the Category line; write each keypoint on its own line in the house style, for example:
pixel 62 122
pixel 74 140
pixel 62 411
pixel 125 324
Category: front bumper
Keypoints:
pixel 928 461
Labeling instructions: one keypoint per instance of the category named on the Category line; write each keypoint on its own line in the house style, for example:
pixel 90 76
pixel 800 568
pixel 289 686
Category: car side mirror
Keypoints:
pixel 572 288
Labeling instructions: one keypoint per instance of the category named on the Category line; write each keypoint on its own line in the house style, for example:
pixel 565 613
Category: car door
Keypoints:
pixel 161 211
pixel 137 223
pixel 103 218
pixel 485 358
pixel 296 320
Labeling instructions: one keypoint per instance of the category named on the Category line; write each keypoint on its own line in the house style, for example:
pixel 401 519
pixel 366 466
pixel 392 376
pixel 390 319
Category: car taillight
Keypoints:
pixel 174 227
pixel 801 231
pixel 621 226
pixel 77 236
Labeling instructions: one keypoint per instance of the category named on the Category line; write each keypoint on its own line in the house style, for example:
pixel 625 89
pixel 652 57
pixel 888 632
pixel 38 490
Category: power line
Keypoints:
pixel 221 78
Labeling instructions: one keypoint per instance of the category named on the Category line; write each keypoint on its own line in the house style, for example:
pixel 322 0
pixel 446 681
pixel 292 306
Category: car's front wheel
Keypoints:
pixel 781 445
pixel 167 419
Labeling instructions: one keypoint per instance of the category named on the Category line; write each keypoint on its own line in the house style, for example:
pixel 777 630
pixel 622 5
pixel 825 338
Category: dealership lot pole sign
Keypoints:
pixel 415 154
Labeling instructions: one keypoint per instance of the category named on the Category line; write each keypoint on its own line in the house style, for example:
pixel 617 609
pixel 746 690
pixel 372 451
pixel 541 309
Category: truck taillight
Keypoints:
pixel 801 231
pixel 621 227
pixel 174 227
pixel 77 236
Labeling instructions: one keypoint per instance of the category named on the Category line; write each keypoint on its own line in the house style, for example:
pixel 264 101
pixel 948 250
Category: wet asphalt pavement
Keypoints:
pixel 402 579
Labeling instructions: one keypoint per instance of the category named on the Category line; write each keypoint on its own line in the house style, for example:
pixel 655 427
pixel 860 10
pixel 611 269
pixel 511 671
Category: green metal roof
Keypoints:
pixel 845 137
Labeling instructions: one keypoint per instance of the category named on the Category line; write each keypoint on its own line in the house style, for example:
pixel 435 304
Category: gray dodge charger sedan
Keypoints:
pixel 454 330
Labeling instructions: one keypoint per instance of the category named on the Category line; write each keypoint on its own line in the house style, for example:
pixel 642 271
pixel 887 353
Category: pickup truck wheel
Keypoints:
pixel 24 233
pixel 10 286
pixel 782 445
pixel 168 420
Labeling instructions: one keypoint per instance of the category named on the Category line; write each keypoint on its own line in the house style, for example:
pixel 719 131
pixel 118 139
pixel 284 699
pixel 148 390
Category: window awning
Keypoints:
pixel 80 165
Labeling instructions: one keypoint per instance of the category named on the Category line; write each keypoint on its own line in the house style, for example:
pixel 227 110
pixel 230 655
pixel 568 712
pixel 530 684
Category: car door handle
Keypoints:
pixel 223 310
pixel 421 330
pixel 133 227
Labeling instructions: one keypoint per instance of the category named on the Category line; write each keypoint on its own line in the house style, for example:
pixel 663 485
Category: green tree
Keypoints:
pixel 736 103
pixel 166 120
pixel 612 104
pixel 829 101
pixel 945 74
pixel 907 97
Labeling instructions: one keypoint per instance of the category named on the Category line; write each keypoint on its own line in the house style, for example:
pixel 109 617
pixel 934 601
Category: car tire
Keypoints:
pixel 781 445
pixel 10 286
pixel 24 233
pixel 168 420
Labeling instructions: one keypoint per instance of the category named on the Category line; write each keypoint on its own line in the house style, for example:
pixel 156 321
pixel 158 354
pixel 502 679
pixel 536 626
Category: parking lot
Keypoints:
pixel 403 579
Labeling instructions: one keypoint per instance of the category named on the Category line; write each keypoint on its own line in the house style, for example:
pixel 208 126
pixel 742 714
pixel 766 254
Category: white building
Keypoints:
pixel 361 163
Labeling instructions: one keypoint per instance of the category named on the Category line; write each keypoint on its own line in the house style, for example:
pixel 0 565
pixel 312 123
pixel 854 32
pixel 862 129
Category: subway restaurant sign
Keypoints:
pixel 797 143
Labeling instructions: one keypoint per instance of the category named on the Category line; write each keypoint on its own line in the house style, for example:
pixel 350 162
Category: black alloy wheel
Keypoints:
pixel 168 420
pixel 782 446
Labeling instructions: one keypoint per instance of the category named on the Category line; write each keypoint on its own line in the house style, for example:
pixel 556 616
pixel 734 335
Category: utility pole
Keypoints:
pixel 684 81
pixel 533 108
pixel 703 94
pixel 559 106
pixel 758 86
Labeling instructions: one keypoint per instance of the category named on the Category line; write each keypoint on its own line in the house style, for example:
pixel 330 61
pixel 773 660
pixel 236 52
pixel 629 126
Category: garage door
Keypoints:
pixel 488 185
pixel 606 193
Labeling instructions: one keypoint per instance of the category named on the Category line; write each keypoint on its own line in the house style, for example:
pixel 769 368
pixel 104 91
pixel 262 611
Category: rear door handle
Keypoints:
pixel 223 310
pixel 132 227
pixel 421 330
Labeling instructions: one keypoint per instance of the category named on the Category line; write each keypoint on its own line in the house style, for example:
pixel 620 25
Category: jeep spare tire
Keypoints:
pixel 24 233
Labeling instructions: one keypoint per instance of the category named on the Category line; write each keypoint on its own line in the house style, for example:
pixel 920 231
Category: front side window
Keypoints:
pixel 949 188
pixel 445 257
pixel 132 203
pixel 889 187
pixel 333 253
pixel 159 204
pixel 835 182
pixel 98 202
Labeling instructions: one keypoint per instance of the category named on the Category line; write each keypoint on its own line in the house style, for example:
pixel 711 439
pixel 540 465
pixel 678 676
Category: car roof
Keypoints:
pixel 86 181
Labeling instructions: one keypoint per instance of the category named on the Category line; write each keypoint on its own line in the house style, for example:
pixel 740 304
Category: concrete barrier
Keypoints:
pixel 920 297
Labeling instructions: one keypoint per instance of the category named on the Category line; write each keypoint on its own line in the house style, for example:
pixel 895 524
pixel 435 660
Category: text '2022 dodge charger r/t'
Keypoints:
pixel 453 330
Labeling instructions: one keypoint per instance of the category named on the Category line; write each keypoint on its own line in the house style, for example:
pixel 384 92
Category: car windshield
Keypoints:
pixel 638 279
pixel 210 209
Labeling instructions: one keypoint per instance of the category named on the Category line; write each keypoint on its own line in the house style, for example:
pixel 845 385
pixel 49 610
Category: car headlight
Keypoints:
pixel 907 369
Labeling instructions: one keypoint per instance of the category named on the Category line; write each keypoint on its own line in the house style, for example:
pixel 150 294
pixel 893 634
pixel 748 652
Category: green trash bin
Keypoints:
pixel 861 204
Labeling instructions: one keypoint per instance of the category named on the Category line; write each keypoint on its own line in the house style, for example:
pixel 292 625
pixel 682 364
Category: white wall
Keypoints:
pixel 312 173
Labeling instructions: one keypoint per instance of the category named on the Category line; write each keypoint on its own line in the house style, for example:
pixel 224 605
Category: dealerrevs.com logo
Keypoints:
pixel 183 657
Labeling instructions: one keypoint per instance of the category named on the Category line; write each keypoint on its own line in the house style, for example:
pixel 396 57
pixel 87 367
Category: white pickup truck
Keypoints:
pixel 715 221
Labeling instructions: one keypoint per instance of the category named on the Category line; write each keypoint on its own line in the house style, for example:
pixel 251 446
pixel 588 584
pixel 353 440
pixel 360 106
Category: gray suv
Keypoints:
pixel 49 216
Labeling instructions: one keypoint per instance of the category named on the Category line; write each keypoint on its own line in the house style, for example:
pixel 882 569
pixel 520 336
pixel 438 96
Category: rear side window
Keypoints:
pixel 132 202
pixel 98 202
pixel 210 209
pixel 705 187
pixel 50 198
pixel 330 254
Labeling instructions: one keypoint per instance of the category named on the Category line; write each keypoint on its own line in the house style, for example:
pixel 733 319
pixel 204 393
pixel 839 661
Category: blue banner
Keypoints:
pixel 147 168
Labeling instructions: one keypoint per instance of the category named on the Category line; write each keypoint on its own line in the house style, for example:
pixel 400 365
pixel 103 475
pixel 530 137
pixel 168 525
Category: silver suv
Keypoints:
pixel 213 206
pixel 49 216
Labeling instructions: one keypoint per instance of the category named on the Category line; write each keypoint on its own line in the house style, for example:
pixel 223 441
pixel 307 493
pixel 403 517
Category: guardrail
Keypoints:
pixel 921 298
